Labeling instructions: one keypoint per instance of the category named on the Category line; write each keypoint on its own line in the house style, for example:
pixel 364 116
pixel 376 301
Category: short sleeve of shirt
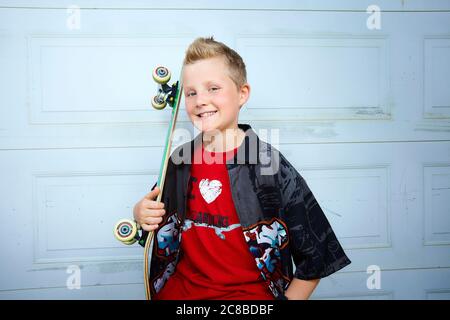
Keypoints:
pixel 315 249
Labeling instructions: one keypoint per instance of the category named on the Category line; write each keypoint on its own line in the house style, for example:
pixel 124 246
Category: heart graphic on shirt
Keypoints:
pixel 210 190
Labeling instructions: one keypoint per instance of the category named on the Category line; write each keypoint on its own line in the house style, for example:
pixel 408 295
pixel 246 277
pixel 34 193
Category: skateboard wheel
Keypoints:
pixel 158 103
pixel 161 75
pixel 125 230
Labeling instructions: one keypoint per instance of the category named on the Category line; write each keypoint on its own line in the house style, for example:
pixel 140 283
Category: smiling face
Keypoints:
pixel 212 98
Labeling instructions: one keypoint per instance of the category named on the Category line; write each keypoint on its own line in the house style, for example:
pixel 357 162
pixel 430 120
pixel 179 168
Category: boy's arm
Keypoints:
pixel 301 289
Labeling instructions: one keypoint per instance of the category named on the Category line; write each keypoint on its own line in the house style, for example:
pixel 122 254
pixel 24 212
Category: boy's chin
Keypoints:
pixel 209 130
pixel 206 127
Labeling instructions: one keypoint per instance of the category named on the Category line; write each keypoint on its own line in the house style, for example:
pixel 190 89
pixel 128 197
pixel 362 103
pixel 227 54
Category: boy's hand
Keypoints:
pixel 147 212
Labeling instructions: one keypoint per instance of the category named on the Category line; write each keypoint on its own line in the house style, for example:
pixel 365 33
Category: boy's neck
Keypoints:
pixel 223 141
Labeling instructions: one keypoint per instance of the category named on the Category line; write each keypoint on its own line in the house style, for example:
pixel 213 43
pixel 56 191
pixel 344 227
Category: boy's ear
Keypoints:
pixel 244 94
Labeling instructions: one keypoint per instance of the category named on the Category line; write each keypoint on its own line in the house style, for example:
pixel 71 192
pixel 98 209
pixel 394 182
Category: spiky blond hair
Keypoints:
pixel 204 48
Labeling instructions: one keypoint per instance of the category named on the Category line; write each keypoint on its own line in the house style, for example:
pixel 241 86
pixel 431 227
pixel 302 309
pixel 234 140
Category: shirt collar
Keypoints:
pixel 247 152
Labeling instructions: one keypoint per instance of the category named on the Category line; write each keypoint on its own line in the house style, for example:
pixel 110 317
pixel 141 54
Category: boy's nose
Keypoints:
pixel 202 100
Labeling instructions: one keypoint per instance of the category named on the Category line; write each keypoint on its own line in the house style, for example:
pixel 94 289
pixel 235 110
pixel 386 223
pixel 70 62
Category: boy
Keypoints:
pixel 241 208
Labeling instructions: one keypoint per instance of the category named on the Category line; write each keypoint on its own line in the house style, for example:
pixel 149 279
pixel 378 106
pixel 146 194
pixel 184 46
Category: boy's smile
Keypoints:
pixel 212 98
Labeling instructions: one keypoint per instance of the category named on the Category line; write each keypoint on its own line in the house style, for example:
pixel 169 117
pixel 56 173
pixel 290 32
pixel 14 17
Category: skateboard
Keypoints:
pixel 126 230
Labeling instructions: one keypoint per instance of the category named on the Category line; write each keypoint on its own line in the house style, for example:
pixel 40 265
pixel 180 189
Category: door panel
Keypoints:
pixel 363 114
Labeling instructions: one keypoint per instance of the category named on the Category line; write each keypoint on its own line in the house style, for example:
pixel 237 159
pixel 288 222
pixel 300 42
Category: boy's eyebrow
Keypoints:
pixel 210 82
pixel 207 83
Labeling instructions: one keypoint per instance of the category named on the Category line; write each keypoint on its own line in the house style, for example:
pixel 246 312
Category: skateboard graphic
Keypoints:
pixel 127 230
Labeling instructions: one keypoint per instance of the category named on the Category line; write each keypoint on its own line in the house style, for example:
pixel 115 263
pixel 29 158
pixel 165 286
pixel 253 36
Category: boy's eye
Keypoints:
pixel 190 94
pixel 213 89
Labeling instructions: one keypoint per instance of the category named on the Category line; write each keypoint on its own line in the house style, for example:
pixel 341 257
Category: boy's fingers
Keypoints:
pixel 152 220
pixel 151 204
pixel 151 211
pixel 154 213
pixel 149 227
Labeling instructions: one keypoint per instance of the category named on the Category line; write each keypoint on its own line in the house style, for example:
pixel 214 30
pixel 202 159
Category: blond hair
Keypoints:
pixel 205 48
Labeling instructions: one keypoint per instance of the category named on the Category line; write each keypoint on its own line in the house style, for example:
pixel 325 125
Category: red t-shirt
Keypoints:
pixel 215 261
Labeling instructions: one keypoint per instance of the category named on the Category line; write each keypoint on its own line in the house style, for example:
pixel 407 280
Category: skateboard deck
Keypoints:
pixel 126 230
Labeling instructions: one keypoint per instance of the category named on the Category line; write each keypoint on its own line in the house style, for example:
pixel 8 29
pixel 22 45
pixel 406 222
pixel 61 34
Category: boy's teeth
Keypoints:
pixel 207 114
